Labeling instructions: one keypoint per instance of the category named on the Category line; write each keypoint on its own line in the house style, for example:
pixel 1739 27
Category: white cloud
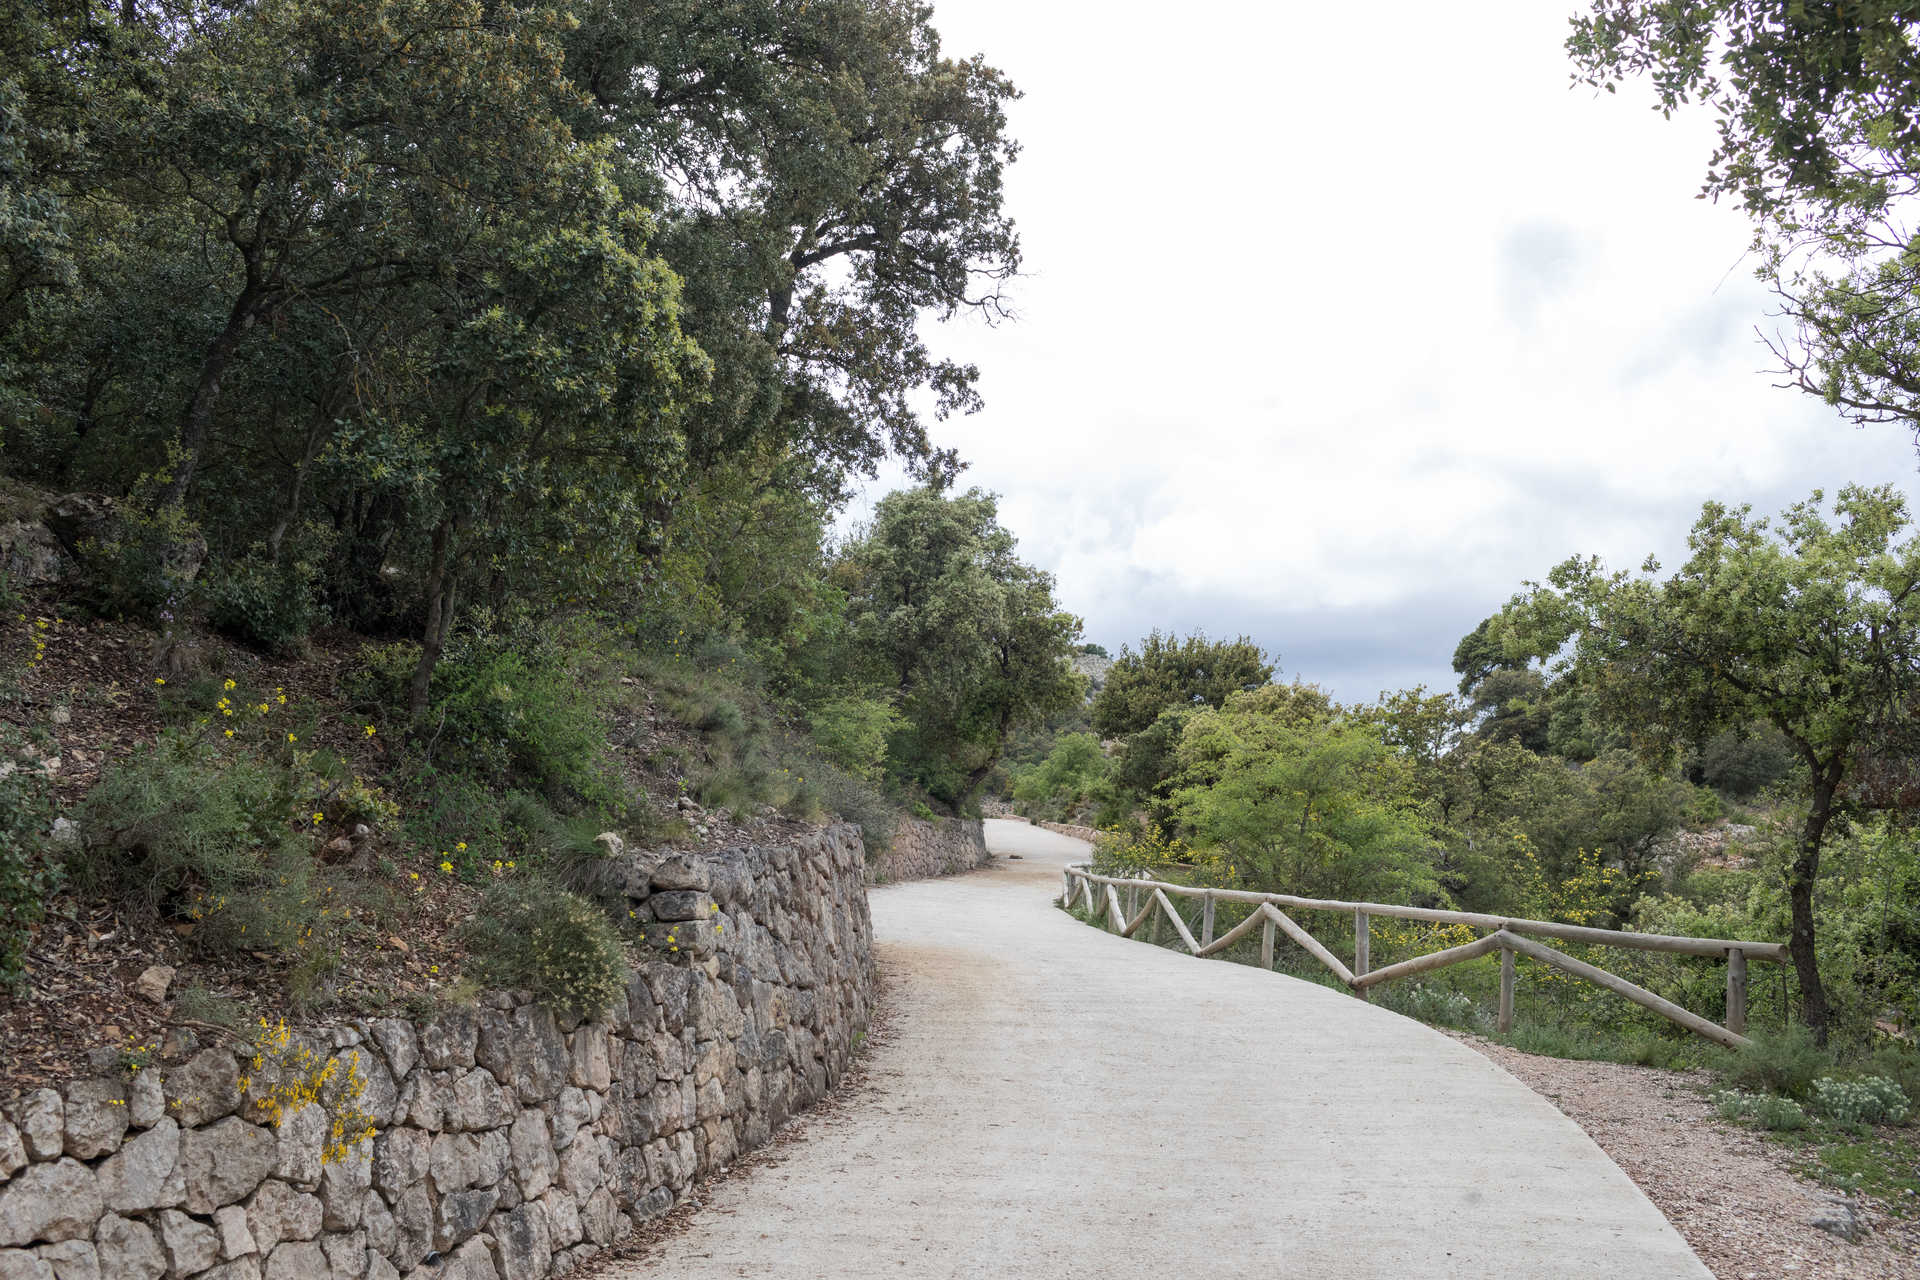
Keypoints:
pixel 1345 327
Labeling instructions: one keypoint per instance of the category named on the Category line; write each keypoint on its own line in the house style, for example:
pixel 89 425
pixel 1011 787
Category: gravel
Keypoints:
pixel 1734 1196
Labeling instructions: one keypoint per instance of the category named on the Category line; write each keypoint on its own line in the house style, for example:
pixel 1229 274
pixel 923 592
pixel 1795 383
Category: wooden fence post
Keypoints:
pixel 1736 991
pixel 1362 945
pixel 1266 945
pixel 1505 1024
pixel 1206 920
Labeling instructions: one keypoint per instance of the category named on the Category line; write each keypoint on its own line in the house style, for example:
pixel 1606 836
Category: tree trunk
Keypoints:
pixel 1805 871
pixel 295 489
pixel 206 394
pixel 433 636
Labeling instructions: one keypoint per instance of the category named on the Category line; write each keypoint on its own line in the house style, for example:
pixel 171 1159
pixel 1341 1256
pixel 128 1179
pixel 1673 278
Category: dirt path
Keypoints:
pixel 1051 1101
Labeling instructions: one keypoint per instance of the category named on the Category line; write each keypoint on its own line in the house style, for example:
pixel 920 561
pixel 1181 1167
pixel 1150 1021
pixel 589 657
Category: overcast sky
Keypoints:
pixel 1340 322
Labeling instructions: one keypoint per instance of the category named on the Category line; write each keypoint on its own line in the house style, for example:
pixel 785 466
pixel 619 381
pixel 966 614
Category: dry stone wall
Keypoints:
pixel 921 850
pixel 511 1143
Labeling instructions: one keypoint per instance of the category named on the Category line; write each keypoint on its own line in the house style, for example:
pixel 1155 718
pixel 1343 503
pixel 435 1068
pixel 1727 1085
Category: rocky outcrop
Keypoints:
pixel 509 1142
pixel 921 850
pixel 1094 668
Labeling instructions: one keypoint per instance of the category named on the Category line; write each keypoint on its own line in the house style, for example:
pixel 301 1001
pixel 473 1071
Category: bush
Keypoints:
pixel 1743 762
pixel 1784 1062
pixel 184 831
pixel 520 714
pixel 556 944
pixel 852 732
pixel 1779 1114
pixel 1436 1005
pixel 1057 786
pixel 1902 1066
pixel 266 605
pixel 377 685
pixel 1766 1110
pixel 856 800
pixel 139 565
pixel 1869 1100
pixel 25 879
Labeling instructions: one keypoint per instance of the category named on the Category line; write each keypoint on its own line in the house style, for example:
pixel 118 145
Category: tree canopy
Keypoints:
pixel 1812 627
pixel 963 636
pixel 409 308
pixel 1166 673
pixel 1818 109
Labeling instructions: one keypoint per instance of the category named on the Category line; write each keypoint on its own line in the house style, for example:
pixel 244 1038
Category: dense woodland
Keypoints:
pixel 452 393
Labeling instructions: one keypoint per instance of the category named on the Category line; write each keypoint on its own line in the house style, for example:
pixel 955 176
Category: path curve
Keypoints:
pixel 1053 1101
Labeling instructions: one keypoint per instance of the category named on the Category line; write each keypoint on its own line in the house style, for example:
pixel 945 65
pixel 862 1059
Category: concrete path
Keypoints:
pixel 1052 1101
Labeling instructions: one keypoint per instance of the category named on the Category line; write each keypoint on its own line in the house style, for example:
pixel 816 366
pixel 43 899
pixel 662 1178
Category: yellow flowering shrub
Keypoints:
pixel 285 1076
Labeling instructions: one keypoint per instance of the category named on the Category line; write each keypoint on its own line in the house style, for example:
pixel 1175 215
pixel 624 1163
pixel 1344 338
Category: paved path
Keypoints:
pixel 1057 1102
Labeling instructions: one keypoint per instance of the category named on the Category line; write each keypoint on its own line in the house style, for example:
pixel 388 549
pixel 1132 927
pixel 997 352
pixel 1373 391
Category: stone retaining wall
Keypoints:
pixel 921 850
pixel 510 1143
pixel 1089 834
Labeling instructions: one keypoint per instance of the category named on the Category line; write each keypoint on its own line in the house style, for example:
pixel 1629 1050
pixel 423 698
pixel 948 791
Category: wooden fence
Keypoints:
pixel 1147 901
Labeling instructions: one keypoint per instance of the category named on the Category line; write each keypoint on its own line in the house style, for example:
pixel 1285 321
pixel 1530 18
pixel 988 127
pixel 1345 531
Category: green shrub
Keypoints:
pixel 512 713
pixel 532 936
pixel 377 684
pixel 1732 1104
pixel 26 881
pixel 856 800
pixel 448 809
pixel 180 829
pixel 1902 1066
pixel 852 732
pixel 1767 1110
pixel 724 719
pixel 1778 1114
pixel 1869 1100
pixel 266 605
pixel 1436 1005
pixel 1784 1062
pixel 139 565
pixel 1058 785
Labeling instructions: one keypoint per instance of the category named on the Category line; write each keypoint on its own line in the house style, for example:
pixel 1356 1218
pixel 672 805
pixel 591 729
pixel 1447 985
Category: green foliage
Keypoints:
pixel 1769 1111
pixel 1306 803
pixel 1065 780
pixel 1167 673
pixel 966 638
pixel 1814 106
pixel 1745 760
pixel 26 880
pixel 833 790
pixel 1803 627
pixel 1784 1062
pixel 1868 1100
pixel 529 711
pixel 140 566
pixel 270 606
pixel 532 936
pixel 204 836
pixel 1435 1005
pixel 853 732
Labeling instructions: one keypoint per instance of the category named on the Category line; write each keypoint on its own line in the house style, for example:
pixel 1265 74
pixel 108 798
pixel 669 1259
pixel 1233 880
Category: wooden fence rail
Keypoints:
pixel 1148 902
